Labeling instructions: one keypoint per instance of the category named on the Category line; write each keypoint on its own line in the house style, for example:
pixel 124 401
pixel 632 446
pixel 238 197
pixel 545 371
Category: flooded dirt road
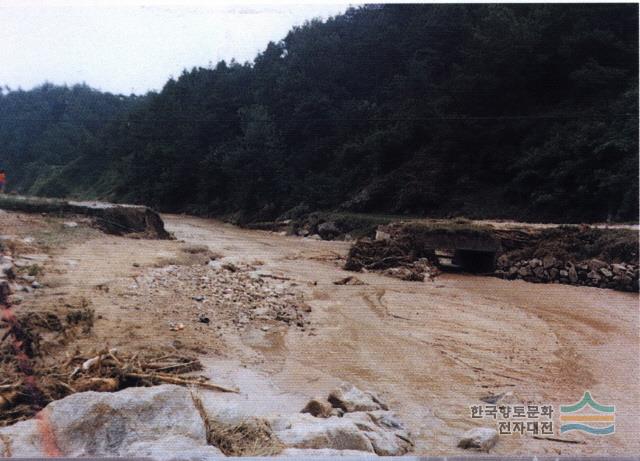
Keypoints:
pixel 430 349
pixel 433 349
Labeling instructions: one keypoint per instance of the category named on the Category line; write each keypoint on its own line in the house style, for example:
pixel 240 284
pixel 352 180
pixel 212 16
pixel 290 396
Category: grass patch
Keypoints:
pixel 252 437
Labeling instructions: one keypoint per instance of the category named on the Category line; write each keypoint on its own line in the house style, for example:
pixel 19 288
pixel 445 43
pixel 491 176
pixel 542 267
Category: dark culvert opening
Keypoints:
pixel 475 261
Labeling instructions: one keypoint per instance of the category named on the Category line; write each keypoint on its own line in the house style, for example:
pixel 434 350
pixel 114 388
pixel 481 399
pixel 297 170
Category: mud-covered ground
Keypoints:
pixel 278 327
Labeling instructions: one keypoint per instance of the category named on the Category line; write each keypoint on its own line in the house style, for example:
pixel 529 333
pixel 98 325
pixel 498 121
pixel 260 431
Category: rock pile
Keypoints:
pixel 165 423
pixel 349 419
pixel 226 293
pixel 19 274
pixel 592 272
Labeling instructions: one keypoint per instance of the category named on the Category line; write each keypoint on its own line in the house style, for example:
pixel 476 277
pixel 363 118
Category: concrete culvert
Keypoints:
pixel 475 261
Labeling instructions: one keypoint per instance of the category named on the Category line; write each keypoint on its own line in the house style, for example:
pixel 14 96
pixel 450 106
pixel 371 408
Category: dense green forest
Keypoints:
pixel 510 111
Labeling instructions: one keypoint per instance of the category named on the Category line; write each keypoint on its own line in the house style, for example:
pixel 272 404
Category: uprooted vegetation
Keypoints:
pixel 393 259
pixel 573 243
pixel 32 377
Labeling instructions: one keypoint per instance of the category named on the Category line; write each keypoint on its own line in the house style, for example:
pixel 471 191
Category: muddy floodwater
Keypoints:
pixel 434 349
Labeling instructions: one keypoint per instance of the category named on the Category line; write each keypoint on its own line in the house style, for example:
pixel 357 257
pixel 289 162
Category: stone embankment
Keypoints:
pixel 593 272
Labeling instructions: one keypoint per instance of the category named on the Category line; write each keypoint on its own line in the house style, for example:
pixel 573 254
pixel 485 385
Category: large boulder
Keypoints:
pixel 350 398
pixel 328 230
pixel 479 438
pixel 305 431
pixel 385 432
pixel 376 432
pixel 160 422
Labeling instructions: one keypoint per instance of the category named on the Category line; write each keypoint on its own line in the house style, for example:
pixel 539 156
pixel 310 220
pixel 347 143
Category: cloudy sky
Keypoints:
pixel 129 46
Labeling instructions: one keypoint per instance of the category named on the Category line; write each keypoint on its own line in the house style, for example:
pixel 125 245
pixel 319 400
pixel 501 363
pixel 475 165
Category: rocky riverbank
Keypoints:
pixel 171 422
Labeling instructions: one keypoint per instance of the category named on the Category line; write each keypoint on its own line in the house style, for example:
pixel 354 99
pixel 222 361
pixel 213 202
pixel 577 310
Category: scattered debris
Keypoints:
pixel 556 439
pixel 107 371
pixel 391 258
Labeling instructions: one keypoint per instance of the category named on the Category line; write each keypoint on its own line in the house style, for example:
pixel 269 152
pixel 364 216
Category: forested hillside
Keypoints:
pixel 51 131
pixel 514 111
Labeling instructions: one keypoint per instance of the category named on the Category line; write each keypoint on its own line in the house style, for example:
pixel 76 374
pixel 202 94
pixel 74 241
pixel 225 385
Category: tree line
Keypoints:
pixel 498 111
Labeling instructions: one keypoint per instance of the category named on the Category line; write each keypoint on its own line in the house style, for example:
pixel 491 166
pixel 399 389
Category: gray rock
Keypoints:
pixel 385 432
pixel 328 230
pixel 524 271
pixel 618 269
pixel 606 272
pixel 539 272
pixel 324 452
pixel 23 440
pixel 573 274
pixel 159 421
pixel 479 438
pixel 596 264
pixel 6 268
pixel 535 262
pixel 548 262
pixel 350 398
pixel 173 449
pixel 305 431
pixel 503 261
pixel 372 432
pixel 594 277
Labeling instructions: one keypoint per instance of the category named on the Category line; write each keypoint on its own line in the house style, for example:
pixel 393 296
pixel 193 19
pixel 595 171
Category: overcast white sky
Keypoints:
pixel 134 46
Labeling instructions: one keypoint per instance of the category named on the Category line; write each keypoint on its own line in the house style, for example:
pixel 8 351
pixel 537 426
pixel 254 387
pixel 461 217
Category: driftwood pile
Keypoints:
pixel 21 397
pixel 392 258
pixel 376 255
pixel 31 377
